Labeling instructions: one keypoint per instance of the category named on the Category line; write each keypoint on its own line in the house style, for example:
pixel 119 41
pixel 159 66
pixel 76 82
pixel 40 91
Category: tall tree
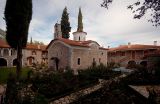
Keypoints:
pixel 65 24
pixel 144 6
pixel 80 23
pixel 18 14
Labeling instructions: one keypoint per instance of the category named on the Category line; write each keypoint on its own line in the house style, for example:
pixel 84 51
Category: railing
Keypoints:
pixel 124 59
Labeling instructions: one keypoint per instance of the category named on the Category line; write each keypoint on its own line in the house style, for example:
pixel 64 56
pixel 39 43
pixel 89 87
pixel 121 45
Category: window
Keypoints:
pixel 0 53
pixel 13 52
pixel 33 52
pixel 122 54
pixel 79 38
pixel 94 60
pixel 99 60
pixel 78 62
pixel 6 52
pixel 102 53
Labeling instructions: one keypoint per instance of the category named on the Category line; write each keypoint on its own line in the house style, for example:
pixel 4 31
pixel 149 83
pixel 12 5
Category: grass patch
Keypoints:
pixel 4 72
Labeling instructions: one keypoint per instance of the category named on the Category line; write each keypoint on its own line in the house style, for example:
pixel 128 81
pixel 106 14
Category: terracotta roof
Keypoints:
pixel 74 43
pixel 4 44
pixel 70 42
pixel 36 47
pixel 133 47
pixel 103 48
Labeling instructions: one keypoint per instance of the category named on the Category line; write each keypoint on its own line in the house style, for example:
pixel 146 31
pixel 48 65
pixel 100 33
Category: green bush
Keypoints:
pixel 4 73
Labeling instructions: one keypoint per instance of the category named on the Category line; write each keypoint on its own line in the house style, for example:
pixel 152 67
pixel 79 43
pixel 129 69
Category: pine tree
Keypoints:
pixel 65 24
pixel 18 14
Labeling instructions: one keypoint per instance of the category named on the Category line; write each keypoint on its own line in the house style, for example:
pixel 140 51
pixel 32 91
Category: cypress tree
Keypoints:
pixel 80 23
pixel 18 14
pixel 65 24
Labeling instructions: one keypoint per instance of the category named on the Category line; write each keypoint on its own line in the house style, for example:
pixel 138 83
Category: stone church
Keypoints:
pixel 78 53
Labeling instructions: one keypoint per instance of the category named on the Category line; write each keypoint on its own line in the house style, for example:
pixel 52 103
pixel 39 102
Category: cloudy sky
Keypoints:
pixel 112 27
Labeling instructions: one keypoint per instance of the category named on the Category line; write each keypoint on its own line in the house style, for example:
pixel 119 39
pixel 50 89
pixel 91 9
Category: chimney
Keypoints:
pixel 38 46
pixel 108 47
pixel 155 43
pixel 129 44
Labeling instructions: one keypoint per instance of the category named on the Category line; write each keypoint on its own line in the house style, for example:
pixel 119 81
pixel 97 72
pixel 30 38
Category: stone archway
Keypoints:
pixel 143 63
pixel 131 64
pixel 14 62
pixel 30 60
pixel 56 62
pixel 3 62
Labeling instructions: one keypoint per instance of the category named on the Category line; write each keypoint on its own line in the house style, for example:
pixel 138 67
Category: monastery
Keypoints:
pixel 78 53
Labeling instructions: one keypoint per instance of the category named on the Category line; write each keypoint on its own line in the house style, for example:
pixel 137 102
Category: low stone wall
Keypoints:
pixel 74 96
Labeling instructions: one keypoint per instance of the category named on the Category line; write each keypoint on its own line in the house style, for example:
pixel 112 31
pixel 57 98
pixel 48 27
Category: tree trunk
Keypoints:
pixel 19 60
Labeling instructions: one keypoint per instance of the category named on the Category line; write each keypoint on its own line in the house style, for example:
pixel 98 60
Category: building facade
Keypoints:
pixel 127 53
pixel 32 54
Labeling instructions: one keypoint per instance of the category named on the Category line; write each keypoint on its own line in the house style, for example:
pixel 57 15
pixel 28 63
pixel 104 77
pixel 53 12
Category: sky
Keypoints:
pixel 112 27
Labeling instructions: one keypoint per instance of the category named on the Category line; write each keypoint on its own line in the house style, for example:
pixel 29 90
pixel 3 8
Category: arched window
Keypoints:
pixel 79 61
pixel 30 60
pixel 143 63
pixel 34 53
pixel 99 60
pixel 13 52
pixel 6 52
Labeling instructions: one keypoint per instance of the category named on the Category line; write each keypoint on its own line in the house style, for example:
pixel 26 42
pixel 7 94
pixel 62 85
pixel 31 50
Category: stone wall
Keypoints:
pixel 87 55
pixel 72 97
pixel 60 51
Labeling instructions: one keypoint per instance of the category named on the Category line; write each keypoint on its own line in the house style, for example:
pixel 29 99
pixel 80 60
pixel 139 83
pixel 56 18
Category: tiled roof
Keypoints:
pixel 4 44
pixel 103 48
pixel 133 47
pixel 75 43
pixel 71 42
pixel 36 47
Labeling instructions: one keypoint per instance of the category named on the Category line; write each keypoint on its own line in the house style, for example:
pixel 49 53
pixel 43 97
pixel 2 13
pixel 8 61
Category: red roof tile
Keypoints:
pixel 76 43
pixel 36 47
pixel 70 42
pixel 133 47
pixel 4 44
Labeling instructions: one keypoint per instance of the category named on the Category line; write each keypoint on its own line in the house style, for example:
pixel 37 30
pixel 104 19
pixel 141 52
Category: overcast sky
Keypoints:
pixel 112 27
